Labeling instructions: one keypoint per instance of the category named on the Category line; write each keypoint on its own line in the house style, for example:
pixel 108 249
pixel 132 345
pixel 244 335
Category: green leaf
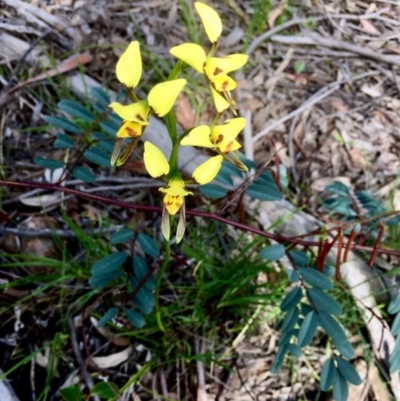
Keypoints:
pixel 75 109
pixel 340 388
pixel 109 263
pixel 100 95
pixel 286 337
pixel 347 370
pixel 98 156
pixel 395 330
pixel 141 269
pixel 84 174
pixel 108 316
pixel 331 327
pixel 338 188
pixel 121 236
pixel 328 374
pixel 149 245
pixel 63 123
pixel 265 191
pixel 315 278
pixel 346 349
pixel 295 350
pixel 394 306
pixel 110 127
pixel 299 66
pixel 290 320
pixel 307 329
pixel 51 164
pixel 329 270
pixel 273 252
pixel 293 276
pixel 105 390
pixel 135 318
pixel 395 364
pixel 213 191
pixel 102 281
pixel 291 299
pixel 142 306
pixel 300 258
pixel 323 301
pixel 144 298
pixel 72 393
pixel 63 142
pixel 279 358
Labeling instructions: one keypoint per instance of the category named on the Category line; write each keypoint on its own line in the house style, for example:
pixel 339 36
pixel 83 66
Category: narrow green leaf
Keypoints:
pixel 108 316
pixel 295 350
pixel 286 337
pixel 394 306
pixel 105 390
pixel 395 364
pixel 110 128
pixel 144 297
pixel 279 358
pixel 135 318
pixel 300 259
pixel 109 263
pixel 273 252
pixel 347 370
pixel 84 174
pixel 315 278
pixel 213 191
pixel 290 320
pixel 293 276
pixel 102 281
pixel 141 269
pixel 331 327
pixel 323 301
pixel 307 329
pixel 121 236
pixel 328 374
pixel 63 123
pixel 98 156
pixel 345 349
pixel 338 188
pixel 63 142
pixel 100 95
pixel 51 164
pixel 329 270
pixel 340 388
pixel 265 191
pixel 395 330
pixel 149 245
pixel 75 109
pixel 291 299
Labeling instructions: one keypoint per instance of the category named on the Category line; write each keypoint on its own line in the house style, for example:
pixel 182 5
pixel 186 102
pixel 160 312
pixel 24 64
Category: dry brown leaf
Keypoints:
pixel 184 112
pixel 273 15
pixel 369 27
pixel 339 105
pixel 105 362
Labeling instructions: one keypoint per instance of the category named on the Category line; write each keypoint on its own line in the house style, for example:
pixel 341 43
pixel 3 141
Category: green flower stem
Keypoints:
pixel 160 275
pixel 174 154
pixel 175 71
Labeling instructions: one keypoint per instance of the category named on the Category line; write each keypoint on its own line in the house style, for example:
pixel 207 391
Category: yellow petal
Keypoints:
pixel 224 83
pixel 207 171
pixel 162 97
pixel 138 112
pixel 220 102
pixel 173 203
pixel 215 65
pixel 191 54
pixel 129 65
pixel 199 136
pixel 223 136
pixel 130 129
pixel 211 21
pixel 175 187
pixel 154 160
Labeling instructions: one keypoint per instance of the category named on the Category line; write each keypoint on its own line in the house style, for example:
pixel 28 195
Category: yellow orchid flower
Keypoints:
pixel 174 199
pixel 135 116
pixel 215 69
pixel 211 21
pixel 129 65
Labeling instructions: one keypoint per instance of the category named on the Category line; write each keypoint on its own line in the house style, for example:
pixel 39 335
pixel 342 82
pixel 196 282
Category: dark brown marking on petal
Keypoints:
pixel 168 203
pixel 139 117
pixel 228 147
pixel 217 71
pixel 219 139
pixel 225 85
pixel 131 132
